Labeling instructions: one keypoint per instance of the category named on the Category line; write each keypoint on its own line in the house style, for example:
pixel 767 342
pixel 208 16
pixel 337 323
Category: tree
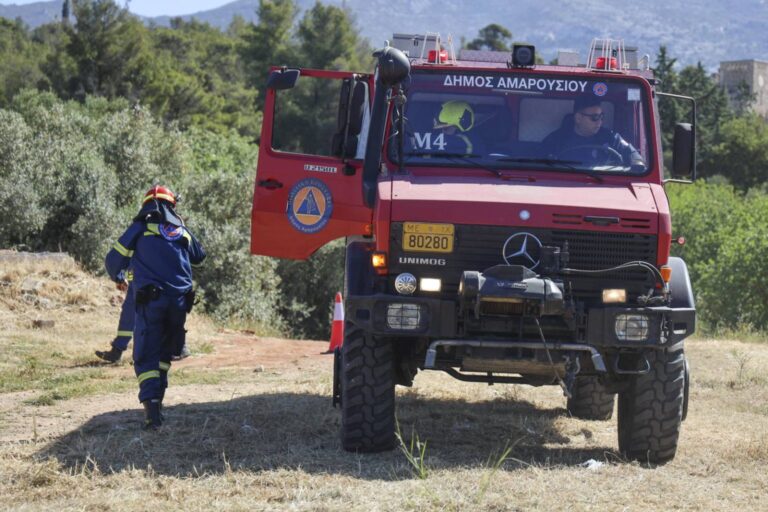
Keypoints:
pixel 670 110
pixel 492 37
pixel 20 60
pixel 327 39
pixel 711 104
pixel 741 153
pixel 268 42
pixel 110 49
pixel 202 80
pixel 743 98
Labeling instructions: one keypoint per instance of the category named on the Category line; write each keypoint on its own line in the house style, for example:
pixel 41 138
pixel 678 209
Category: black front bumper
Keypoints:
pixel 439 318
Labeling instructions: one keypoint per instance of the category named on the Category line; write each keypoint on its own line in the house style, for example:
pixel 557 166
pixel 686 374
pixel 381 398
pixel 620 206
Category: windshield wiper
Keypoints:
pixel 555 164
pixel 463 157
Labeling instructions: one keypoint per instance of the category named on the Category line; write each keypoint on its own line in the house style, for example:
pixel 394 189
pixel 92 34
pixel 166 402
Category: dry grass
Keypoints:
pixel 268 440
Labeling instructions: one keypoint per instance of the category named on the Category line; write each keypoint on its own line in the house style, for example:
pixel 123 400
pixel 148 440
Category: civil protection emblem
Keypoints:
pixel 310 205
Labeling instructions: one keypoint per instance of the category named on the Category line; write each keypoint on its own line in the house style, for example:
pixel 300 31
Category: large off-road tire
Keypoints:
pixel 651 409
pixel 367 392
pixel 589 400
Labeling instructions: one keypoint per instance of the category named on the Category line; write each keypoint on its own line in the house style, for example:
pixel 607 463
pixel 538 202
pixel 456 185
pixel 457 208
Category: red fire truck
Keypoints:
pixel 505 222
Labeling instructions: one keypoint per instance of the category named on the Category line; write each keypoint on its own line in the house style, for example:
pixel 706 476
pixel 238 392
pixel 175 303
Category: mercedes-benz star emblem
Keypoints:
pixel 522 249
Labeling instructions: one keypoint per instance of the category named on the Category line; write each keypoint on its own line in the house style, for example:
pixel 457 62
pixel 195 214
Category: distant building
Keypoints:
pixel 753 73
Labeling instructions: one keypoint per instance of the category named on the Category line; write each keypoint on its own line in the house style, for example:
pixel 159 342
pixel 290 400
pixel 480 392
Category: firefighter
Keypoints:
pixel 455 120
pixel 160 250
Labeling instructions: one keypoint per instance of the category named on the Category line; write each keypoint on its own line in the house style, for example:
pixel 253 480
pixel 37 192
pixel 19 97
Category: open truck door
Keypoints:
pixel 308 187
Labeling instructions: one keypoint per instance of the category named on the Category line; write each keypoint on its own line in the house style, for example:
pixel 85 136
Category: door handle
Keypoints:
pixel 270 184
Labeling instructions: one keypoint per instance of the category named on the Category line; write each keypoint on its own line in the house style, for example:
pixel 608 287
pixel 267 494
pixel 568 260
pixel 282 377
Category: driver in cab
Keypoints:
pixel 582 138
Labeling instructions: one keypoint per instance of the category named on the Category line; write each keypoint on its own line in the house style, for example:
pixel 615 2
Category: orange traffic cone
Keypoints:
pixel 337 328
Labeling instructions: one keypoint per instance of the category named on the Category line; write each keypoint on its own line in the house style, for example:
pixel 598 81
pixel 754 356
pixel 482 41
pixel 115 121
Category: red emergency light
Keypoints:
pixel 601 63
pixel 432 56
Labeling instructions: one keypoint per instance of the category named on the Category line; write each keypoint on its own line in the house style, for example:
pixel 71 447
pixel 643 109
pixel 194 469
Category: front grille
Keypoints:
pixel 480 247
pixel 502 308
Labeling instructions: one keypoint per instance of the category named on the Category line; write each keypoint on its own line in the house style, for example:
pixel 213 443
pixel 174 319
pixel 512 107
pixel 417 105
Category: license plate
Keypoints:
pixel 420 237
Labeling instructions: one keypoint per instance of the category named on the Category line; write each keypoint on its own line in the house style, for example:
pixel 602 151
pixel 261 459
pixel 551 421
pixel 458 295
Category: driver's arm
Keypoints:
pixel 628 153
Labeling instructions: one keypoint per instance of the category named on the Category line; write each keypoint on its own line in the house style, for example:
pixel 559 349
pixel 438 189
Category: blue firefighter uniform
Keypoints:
pixel 127 314
pixel 161 254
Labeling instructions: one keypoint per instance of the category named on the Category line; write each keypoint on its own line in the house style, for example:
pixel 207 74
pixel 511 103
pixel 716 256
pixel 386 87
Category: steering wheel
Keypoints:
pixel 609 155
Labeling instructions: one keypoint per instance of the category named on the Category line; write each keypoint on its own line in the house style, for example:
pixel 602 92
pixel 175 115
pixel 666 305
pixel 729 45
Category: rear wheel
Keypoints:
pixel 589 400
pixel 651 409
pixel 367 392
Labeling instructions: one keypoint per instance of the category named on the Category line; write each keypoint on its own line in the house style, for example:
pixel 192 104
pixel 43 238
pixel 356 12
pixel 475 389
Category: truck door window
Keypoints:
pixel 305 117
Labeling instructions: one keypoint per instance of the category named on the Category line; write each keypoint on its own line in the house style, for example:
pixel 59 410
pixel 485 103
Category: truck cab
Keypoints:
pixel 506 222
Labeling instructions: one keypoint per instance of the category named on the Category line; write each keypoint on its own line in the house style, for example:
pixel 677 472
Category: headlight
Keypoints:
pixel 430 284
pixel 403 316
pixel 632 327
pixel 611 296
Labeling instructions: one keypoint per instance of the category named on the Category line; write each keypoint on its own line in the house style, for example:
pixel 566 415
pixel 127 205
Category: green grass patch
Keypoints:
pixel 203 348
pixel 72 383
pixel 744 332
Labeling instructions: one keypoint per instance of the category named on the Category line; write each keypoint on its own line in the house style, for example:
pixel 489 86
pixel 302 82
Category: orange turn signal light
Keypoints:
pixel 379 260
pixel 666 273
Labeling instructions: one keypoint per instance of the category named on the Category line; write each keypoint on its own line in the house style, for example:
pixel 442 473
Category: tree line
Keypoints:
pixel 95 110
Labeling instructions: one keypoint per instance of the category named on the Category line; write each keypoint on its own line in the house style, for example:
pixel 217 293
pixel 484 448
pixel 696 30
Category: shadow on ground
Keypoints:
pixel 300 431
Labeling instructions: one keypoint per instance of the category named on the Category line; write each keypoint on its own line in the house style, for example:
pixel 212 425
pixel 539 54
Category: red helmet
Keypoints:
pixel 160 193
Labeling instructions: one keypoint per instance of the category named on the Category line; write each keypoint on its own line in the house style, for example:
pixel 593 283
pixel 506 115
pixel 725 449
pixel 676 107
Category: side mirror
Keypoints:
pixel 684 152
pixel 281 79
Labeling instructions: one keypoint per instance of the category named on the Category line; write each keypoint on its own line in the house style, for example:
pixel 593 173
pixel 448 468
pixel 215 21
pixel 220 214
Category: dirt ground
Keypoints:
pixel 234 352
pixel 249 426
pixel 268 440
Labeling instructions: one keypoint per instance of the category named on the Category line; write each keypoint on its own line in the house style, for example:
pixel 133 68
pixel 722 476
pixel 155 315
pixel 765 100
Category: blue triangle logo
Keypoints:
pixel 309 205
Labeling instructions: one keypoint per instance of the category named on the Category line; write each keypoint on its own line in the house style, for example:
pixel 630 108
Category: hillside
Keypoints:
pixel 709 31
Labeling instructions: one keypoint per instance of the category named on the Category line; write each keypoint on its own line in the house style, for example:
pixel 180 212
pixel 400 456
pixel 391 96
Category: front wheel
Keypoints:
pixel 367 392
pixel 589 400
pixel 651 409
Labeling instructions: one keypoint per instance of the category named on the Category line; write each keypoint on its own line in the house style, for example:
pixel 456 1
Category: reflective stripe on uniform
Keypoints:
pixel 152 230
pixel 129 275
pixel 125 333
pixel 122 250
pixel 187 236
pixel 165 366
pixel 151 374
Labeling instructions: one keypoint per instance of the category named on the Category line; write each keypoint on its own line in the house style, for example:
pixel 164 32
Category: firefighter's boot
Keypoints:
pixel 183 354
pixel 112 355
pixel 152 417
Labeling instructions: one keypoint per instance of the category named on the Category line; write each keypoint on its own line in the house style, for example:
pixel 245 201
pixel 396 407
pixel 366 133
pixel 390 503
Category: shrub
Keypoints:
pixel 727 239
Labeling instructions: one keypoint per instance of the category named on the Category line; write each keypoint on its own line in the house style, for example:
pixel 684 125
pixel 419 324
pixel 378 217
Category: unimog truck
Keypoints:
pixel 480 241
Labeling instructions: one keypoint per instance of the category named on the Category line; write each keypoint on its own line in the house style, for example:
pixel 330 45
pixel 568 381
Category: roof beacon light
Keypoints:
pixel 607 55
pixel 438 54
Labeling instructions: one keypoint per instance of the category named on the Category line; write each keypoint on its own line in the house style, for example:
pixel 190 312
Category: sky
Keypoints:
pixel 154 7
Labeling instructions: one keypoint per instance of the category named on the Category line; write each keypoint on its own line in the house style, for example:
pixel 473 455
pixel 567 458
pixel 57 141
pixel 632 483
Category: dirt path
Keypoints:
pixel 237 350
pixel 233 351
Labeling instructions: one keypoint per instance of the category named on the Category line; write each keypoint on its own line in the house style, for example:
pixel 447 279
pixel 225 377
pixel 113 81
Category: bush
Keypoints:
pixel 72 176
pixel 726 242
pixel 308 289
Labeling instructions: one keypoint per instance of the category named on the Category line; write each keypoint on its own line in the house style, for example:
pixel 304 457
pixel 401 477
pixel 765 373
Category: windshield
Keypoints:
pixel 521 119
